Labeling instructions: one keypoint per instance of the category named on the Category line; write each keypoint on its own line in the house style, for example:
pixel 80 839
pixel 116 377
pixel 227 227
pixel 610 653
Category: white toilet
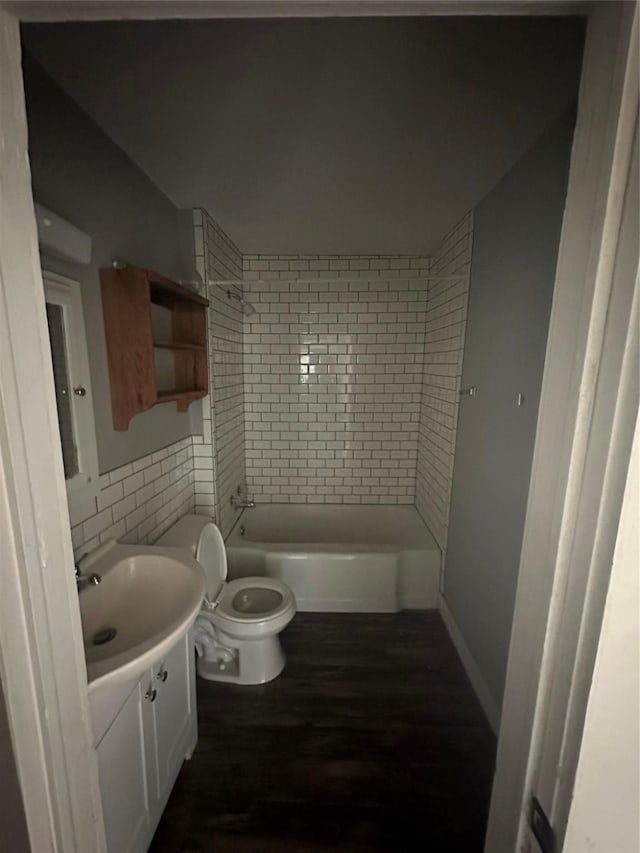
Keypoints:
pixel 236 633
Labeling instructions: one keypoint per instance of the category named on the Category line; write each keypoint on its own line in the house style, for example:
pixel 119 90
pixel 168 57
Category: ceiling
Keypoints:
pixel 365 136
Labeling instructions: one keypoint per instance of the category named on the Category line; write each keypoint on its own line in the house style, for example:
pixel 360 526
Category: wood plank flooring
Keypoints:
pixel 370 740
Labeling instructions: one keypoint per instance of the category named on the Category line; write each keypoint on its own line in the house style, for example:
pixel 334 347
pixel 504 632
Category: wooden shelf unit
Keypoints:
pixel 177 345
pixel 127 298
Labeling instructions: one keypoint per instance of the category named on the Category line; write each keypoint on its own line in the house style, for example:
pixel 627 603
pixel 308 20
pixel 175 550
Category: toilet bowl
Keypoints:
pixel 237 632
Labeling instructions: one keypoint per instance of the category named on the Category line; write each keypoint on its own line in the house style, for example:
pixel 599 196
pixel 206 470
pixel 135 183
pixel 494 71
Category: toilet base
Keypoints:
pixel 256 661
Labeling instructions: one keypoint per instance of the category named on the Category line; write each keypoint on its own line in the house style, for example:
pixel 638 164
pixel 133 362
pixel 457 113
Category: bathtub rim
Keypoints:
pixel 234 539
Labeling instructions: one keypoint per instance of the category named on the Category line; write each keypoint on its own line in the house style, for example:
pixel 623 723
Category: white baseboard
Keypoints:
pixel 478 683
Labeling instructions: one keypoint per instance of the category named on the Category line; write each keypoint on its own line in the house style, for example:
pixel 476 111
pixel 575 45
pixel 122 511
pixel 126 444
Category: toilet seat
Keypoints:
pixel 228 605
pixel 237 630
pixel 260 617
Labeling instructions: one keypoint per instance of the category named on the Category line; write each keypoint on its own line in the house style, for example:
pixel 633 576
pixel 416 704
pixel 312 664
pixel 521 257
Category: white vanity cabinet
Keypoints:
pixel 171 717
pixel 143 747
pixel 122 765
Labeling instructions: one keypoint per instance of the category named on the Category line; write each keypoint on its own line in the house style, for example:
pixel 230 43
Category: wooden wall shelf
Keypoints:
pixel 128 297
pixel 176 345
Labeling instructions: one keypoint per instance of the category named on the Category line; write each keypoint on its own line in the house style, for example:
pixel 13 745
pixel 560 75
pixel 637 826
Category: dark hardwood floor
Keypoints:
pixel 371 739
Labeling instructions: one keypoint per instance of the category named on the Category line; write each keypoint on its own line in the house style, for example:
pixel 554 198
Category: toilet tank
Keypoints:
pixel 185 533
pixel 200 535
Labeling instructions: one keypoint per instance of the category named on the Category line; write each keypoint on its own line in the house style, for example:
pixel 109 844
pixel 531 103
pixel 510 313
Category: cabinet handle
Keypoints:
pixel 162 675
pixel 151 695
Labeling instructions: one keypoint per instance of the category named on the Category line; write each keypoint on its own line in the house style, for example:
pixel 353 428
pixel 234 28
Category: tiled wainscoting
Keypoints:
pixel 138 501
pixel 444 346
pixel 332 377
pixel 221 448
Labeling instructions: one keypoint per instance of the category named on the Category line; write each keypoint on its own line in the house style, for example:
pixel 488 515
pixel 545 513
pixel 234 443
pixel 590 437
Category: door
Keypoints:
pixel 515 245
pixel 74 399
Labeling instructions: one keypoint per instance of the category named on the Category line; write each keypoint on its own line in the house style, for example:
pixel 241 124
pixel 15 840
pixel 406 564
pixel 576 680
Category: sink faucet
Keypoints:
pixel 240 504
pixel 83 581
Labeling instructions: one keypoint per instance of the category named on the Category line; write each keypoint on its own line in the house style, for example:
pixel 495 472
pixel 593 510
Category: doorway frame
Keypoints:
pixel 41 658
pixel 44 676
pixel 554 544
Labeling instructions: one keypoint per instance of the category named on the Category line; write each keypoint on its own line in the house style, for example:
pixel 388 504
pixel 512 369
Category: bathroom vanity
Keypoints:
pixel 138 605
pixel 142 734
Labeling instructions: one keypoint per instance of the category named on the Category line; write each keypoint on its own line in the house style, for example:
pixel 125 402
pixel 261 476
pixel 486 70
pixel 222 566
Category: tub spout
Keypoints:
pixel 240 504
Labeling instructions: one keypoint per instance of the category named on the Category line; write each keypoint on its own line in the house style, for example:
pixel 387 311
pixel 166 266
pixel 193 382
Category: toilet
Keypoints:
pixel 237 632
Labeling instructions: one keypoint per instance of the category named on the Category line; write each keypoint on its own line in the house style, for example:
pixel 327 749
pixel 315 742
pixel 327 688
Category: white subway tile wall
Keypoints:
pixel 220 454
pixel 333 376
pixel 444 346
pixel 204 460
pixel 138 501
pixel 342 388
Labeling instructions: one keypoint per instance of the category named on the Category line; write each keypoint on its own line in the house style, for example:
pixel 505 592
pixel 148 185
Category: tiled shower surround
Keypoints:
pixel 220 453
pixel 342 388
pixel 447 298
pixel 332 377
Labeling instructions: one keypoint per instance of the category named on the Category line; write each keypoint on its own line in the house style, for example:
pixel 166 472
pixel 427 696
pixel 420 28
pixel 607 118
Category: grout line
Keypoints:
pixel 342 279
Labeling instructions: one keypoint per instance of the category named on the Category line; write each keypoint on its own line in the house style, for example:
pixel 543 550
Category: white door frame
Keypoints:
pixel 41 650
pixel 558 491
pixel 605 797
pixel 41 656
pixel 577 608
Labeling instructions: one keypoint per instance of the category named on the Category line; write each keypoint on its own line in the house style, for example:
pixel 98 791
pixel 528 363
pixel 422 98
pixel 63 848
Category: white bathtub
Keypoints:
pixel 355 559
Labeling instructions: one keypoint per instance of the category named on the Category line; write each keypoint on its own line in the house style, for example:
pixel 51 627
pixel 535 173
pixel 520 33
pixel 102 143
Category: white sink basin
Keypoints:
pixel 148 596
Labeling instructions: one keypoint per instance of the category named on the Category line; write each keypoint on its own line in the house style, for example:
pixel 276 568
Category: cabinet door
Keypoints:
pixel 174 714
pixel 123 779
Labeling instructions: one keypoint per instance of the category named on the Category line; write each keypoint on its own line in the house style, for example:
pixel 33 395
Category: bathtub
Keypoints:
pixel 354 559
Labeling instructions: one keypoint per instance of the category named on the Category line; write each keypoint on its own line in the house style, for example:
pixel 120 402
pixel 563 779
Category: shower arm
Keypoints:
pixel 232 295
pixel 248 309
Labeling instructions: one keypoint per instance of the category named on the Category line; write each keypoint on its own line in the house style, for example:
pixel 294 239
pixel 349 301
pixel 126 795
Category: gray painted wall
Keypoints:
pixel 516 236
pixel 80 174
pixel 322 135
pixel 13 825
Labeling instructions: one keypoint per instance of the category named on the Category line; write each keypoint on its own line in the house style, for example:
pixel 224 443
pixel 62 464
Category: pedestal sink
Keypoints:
pixel 147 598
